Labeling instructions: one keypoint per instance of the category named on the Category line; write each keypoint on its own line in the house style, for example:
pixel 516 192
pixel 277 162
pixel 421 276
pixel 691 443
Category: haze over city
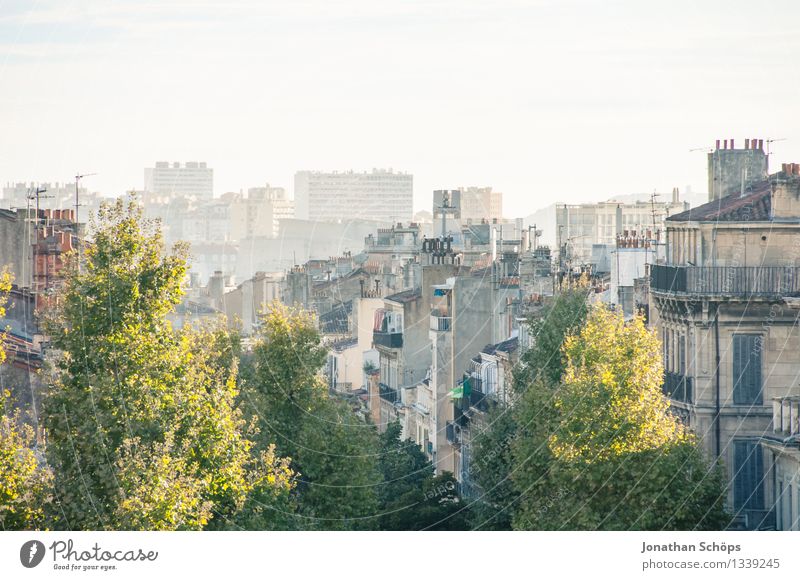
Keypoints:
pixel 544 101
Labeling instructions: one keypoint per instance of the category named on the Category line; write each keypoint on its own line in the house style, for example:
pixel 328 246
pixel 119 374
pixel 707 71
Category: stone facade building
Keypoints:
pixel 723 303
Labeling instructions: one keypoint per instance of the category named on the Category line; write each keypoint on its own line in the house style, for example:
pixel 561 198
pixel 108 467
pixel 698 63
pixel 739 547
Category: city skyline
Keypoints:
pixel 263 91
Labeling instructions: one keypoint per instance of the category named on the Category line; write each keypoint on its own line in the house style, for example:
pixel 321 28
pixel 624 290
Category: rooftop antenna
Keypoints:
pixel 768 153
pixel 446 208
pixel 78 178
pixel 36 194
pixel 653 197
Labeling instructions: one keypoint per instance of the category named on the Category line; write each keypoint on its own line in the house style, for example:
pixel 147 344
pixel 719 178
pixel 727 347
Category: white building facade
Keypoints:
pixel 380 195
pixel 192 178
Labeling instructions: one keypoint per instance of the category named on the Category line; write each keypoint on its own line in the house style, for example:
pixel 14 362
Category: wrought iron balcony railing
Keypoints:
pixel 388 339
pixel 726 281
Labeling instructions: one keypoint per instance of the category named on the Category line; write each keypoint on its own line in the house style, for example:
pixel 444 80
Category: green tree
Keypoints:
pixel 615 457
pixel 143 432
pixel 25 484
pixel 491 466
pixel 332 450
pixel 411 497
pixel 529 423
pixel 548 329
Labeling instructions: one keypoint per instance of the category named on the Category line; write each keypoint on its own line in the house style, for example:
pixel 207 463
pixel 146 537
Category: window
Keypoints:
pixel 747 369
pixel 682 354
pixel 748 488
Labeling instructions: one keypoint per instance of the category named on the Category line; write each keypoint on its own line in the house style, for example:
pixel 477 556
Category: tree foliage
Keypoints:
pixel 615 458
pixel 143 431
pixel 25 483
pixel 411 497
pixel 332 450
pixel 491 471
pixel 541 368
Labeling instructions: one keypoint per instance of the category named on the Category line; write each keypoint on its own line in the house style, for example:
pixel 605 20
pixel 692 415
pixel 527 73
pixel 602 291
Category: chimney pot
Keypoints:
pixel 761 144
pixel 726 144
pixel 747 143
pixel 732 146
pixel 717 143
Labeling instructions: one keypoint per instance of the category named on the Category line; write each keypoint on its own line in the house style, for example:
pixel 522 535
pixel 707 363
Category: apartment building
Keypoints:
pixel 487 381
pixel 724 302
pixel 782 447
pixel 260 213
pixel 190 179
pixel 380 195
pixel 580 226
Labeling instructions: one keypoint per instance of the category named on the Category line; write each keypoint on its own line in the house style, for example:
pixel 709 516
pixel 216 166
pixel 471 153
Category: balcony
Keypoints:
pixel 453 433
pixel 678 387
pixel 388 394
pixel 786 416
pixel 726 281
pixel 459 418
pixel 479 401
pixel 387 339
pixel 440 323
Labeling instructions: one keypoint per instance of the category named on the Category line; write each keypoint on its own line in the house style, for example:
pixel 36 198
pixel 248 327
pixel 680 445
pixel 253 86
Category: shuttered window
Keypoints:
pixel 682 354
pixel 747 369
pixel 748 488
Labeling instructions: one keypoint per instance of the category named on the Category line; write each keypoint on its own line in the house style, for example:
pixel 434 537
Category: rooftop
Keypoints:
pixel 508 345
pixel 405 296
pixel 753 206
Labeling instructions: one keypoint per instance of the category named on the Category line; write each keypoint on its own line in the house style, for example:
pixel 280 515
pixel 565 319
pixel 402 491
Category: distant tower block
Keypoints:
pixel 734 171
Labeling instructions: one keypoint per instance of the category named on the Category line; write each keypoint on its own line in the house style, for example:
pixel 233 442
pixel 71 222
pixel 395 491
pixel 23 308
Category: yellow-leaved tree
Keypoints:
pixel 616 458
pixel 24 480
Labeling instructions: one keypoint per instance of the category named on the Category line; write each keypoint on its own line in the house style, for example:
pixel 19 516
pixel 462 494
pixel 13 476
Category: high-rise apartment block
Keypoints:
pixel 190 179
pixel 380 195
pixel 481 203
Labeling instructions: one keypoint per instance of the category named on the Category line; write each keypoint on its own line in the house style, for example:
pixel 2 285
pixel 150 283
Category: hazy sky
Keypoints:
pixel 544 100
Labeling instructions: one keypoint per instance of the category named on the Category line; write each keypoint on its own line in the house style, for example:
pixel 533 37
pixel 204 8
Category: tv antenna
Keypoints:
pixel 36 193
pixel 770 141
pixel 78 178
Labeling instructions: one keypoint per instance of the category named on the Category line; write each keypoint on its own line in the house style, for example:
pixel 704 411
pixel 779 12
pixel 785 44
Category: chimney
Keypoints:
pixel 761 144
pixel 747 143
pixel 726 144
pixel 732 146
pixel 717 143
pixel 784 168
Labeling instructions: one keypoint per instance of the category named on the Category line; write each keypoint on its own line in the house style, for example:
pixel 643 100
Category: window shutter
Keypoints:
pixel 747 369
pixel 748 488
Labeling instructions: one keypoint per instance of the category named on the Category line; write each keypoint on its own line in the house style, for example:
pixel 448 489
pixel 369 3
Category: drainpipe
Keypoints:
pixel 716 385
